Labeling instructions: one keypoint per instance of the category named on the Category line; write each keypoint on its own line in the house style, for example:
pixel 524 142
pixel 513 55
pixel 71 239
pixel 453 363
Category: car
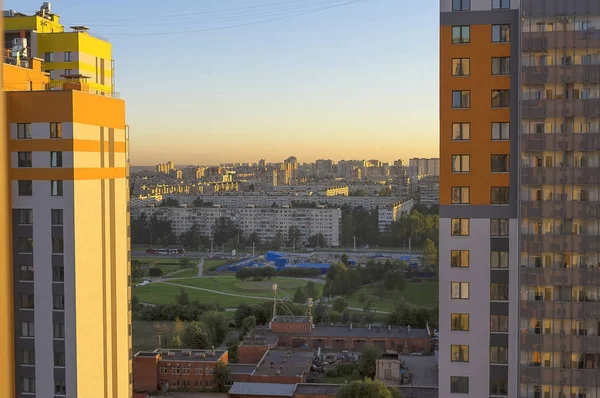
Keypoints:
pixel 163 251
pixel 151 251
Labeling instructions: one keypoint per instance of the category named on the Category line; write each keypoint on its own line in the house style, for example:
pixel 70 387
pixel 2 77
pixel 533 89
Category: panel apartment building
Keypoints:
pixel 66 324
pixel 519 198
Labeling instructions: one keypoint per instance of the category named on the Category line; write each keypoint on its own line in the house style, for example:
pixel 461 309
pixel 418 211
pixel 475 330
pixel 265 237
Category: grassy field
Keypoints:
pixel 213 264
pixel 187 273
pixel 418 294
pixel 161 293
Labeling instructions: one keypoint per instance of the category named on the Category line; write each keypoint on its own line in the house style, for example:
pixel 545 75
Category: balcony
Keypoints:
pixel 539 41
pixel 560 74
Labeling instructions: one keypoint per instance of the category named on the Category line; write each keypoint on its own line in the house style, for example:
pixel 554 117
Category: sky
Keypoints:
pixel 358 81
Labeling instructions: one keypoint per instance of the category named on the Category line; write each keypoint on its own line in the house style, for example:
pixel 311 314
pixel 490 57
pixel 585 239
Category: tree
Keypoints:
pixel 345 316
pixel 368 306
pixel 300 296
pixel 247 326
pixel 367 389
pixel 311 290
pixel 242 312
pixel 394 280
pixel 155 272
pixel 163 329
pixel 317 240
pixel 225 230
pixel 169 202
pixel 137 271
pixel 321 313
pixel 216 326
pixel 339 304
pixel 221 377
pixel 367 363
pixel 344 259
pixel 347 230
pixel 294 235
pixel 183 298
pixel 362 295
pixel 201 203
pixel 176 342
pixel 254 238
pixel 185 262
pixel 430 255
pixel 192 239
pixel 276 242
pixel 179 327
pixel 195 337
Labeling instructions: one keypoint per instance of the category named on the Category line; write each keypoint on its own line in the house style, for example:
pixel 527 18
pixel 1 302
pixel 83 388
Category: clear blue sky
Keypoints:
pixel 358 81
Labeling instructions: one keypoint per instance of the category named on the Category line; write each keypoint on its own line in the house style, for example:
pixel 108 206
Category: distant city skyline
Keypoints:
pixel 346 82
pixel 276 160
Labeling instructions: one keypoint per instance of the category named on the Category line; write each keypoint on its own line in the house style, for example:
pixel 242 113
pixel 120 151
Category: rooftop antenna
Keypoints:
pixel 274 300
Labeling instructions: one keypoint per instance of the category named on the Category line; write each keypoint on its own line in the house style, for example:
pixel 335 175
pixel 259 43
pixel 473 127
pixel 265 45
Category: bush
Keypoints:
pixel 155 271
pixel 299 272
pixel 346 369
pixel 332 373
pixel 356 374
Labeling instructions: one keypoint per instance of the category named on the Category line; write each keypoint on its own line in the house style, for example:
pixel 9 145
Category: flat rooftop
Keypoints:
pixel 263 338
pixel 288 362
pixel 317 389
pixel 290 319
pixel 241 368
pixel 266 389
pixel 423 368
pixel 185 355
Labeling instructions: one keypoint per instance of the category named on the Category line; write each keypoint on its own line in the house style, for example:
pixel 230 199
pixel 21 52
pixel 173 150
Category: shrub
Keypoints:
pixel 155 271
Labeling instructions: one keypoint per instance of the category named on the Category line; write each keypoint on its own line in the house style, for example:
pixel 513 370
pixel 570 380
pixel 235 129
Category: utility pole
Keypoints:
pixel 252 248
pixel 294 245
pixel 354 243
pixel 409 245
pixel 211 247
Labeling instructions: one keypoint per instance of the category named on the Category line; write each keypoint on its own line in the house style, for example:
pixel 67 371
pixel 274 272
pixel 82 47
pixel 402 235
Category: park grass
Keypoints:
pixel 186 273
pixel 213 263
pixel 161 293
pixel 417 294
pixel 229 284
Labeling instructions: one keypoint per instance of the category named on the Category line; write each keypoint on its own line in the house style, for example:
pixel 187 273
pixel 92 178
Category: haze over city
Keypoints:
pixel 346 78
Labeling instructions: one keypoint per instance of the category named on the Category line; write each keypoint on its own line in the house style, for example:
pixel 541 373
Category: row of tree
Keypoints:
pixel 342 280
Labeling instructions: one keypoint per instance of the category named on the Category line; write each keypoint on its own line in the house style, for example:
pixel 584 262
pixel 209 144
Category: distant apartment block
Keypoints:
pixel 390 213
pixel 336 191
pixel 266 222
pixel 426 167
pixel 429 190
pixel 165 168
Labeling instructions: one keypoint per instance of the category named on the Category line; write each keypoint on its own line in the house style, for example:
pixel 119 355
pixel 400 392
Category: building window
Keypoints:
pixel 48 57
pixel 26 273
pixel 58 274
pixel 461 67
pixel 59 330
pixel 461 131
pixel 461 99
pixel 24 159
pixel 500 387
pixel 500 66
pixel 461 5
pixel 461 163
pixel 499 291
pixel 499 323
pixel 59 358
pixel 460 353
pixel 499 227
pixel 28 384
pixel 461 34
pixel 57 216
pixel 460 290
pixel 24 131
pixel 58 302
pixel 25 245
pixel 459 259
pixel 500 98
pixel 500 131
pixel 460 195
pixel 68 56
pixel 28 356
pixel 56 188
pixel 60 388
pixel 499 259
pixel 500 163
pixel 459 385
pixel 27 301
pixel 25 187
pixel 499 196
pixel 25 216
pixel 460 227
pixel 56 130
pixel 459 322
pixel 500 4
pixel 500 33
pixel 56 159
pixel 27 329
pixel 58 245
pixel 68 72
pixel 498 354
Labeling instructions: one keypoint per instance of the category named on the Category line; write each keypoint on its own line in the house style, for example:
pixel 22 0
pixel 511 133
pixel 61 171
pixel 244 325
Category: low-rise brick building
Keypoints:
pixel 174 369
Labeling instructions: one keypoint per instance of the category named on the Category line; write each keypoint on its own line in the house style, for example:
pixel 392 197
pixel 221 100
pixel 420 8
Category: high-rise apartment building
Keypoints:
pixel 519 194
pixel 68 55
pixel 425 167
pixel 68 275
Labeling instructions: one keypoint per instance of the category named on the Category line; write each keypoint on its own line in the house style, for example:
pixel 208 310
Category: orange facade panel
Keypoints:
pixel 54 174
pixel 480 82
pixel 15 78
pixel 66 106
pixel 63 145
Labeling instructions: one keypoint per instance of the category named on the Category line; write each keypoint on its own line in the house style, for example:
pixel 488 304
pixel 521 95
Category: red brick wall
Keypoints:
pixel 347 343
pixel 290 327
pixel 145 373
pixel 181 378
pixel 313 396
pixel 251 353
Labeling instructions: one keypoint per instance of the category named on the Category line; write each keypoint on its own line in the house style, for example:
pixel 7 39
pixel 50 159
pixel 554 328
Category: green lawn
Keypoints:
pixel 187 273
pixel 229 284
pixel 418 294
pixel 160 293
pixel 213 263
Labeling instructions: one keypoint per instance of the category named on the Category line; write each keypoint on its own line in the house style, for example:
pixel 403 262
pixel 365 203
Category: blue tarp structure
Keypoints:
pixel 272 256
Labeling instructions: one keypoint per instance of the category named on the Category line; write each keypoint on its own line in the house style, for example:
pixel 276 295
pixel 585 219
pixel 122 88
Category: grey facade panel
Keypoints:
pixel 57 232
pixel 478 17
pixel 477 211
pixel 498 308
pixel 497 276
pixel 498 373
pixel 498 340
pixel 499 244
pixel 58 260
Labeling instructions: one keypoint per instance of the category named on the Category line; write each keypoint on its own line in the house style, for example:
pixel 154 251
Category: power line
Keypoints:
pixel 237 16
pixel 237 25
pixel 194 13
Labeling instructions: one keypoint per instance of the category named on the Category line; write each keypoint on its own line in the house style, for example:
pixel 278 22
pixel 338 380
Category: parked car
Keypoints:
pixel 151 251
pixel 163 251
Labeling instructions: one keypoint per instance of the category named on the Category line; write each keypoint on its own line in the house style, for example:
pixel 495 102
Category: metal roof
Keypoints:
pixel 258 389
